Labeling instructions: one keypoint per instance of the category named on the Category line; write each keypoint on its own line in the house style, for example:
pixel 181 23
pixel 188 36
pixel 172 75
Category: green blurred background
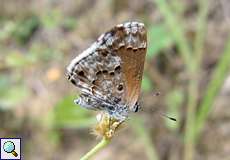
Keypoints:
pixel 188 62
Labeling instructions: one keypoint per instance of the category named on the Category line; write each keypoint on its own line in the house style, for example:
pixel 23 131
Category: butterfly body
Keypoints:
pixel 109 72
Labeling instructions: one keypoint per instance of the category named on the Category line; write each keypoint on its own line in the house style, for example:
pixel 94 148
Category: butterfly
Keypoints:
pixel 109 73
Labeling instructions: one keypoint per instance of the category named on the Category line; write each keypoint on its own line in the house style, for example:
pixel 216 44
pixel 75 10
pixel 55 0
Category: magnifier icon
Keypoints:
pixel 9 147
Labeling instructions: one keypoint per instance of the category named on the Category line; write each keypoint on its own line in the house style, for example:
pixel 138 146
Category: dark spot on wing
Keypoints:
pixel 117 100
pixel 94 81
pixel 105 72
pixel 117 69
pixel 111 73
pixel 98 73
pixel 120 87
pixel 73 81
pixel 81 73
pixel 104 53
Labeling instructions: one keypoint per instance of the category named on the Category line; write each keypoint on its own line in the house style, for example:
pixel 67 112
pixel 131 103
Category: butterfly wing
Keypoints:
pixel 133 54
pixel 111 69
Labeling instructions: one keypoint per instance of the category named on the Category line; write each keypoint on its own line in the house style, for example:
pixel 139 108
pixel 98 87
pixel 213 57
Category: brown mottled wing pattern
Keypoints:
pixel 112 67
pixel 133 56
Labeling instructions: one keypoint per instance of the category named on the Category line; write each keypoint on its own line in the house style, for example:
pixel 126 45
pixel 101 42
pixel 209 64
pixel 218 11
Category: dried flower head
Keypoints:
pixel 106 126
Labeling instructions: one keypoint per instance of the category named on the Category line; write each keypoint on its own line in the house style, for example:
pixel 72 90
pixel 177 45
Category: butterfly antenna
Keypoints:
pixel 162 114
pixel 170 118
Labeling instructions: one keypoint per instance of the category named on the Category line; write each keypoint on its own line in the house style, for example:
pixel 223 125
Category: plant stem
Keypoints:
pixel 104 142
pixel 213 88
pixel 178 32
pixel 193 84
pixel 189 130
pixel 143 133
pixel 201 30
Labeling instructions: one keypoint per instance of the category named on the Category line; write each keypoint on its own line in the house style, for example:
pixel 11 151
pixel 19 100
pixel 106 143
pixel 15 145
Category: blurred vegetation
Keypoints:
pixel 70 117
pixel 187 61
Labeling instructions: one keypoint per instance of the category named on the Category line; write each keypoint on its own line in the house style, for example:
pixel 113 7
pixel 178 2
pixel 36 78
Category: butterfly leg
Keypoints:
pixel 87 102
pixel 136 107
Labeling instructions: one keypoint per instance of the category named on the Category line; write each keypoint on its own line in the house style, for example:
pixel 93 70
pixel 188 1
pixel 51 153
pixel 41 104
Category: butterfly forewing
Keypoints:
pixel 133 56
